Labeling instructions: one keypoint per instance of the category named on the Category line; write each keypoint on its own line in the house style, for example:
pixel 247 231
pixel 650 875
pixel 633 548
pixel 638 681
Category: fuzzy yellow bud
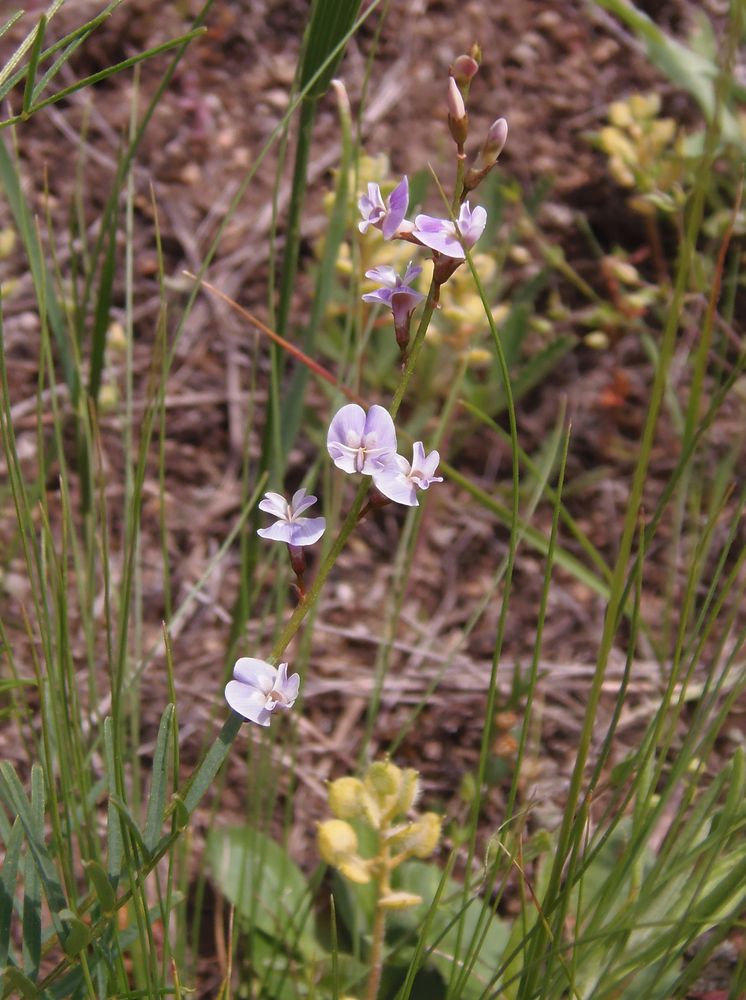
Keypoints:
pixel 619 114
pixel 337 843
pixel 116 337
pixel 7 242
pixel 108 397
pixel 418 839
pixel 346 797
pixel 597 340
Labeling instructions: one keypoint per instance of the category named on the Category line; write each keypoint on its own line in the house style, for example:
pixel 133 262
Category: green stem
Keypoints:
pixel 419 338
pixel 376 952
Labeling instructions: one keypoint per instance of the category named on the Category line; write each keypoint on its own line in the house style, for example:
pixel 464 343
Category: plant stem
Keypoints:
pixel 376 952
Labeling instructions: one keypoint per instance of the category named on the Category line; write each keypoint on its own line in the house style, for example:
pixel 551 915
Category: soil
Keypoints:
pixel 551 67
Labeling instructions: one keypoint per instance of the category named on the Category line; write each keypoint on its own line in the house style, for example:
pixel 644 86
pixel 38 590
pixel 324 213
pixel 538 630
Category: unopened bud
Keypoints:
pixel 463 69
pixel 346 797
pixel 458 122
pixel 497 135
pixel 337 843
pixel 418 839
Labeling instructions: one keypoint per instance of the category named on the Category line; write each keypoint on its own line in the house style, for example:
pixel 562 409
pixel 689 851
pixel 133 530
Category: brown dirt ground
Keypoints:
pixel 551 67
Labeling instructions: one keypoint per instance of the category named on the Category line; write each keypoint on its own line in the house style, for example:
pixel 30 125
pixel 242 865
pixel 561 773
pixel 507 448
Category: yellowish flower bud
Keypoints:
pixel 619 114
pixel 7 242
pixel 108 397
pixel 597 340
pixel 418 839
pixel 346 798
pixel 355 869
pixel 336 841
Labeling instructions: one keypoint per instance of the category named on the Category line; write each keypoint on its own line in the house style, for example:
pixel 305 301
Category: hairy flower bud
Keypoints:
pixel 337 843
pixel 418 839
pixel 346 797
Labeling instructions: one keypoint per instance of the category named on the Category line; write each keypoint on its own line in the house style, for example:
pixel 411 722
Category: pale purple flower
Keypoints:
pixel 258 689
pixel 290 527
pixel 399 481
pixel 443 236
pixel 397 295
pixel 361 442
pixel 386 216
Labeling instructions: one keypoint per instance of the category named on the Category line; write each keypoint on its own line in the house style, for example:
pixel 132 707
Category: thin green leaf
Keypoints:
pixel 11 63
pixel 102 886
pixel 7 25
pixel 78 933
pixel 12 793
pixel 157 799
pixel 130 823
pixel 205 773
pixel 104 74
pixel 114 824
pixel 16 982
pixel 33 63
pixel 8 878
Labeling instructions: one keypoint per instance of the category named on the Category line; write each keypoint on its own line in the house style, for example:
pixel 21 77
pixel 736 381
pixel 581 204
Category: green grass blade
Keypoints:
pixel 104 74
pixel 157 799
pixel 103 306
pixel 20 52
pixel 7 25
pixel 329 25
pixel 43 286
pixel 114 825
pixel 33 65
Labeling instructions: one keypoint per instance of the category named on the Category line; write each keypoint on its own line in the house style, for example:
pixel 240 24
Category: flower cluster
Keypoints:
pixel 366 442
pixel 381 799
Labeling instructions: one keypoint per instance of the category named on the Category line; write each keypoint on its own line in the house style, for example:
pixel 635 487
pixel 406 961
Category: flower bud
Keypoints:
pixel 463 69
pixel 337 843
pixel 346 797
pixel 497 135
pixel 458 121
pixel 336 840
pixel 418 839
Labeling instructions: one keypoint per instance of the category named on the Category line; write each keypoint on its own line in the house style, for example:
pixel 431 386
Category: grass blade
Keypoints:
pixel 28 92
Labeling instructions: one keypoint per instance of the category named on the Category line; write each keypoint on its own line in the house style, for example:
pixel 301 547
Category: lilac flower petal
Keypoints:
pixel 380 432
pixel 471 223
pixel 424 466
pixel 248 702
pixel 397 487
pixel 255 673
pixel 345 436
pixel 438 234
pixel 280 531
pixel 301 502
pixel 398 202
pixel 306 530
pixel 384 274
pixel 430 224
pixel 287 686
pixel 410 274
pixel 382 295
pixel 275 504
